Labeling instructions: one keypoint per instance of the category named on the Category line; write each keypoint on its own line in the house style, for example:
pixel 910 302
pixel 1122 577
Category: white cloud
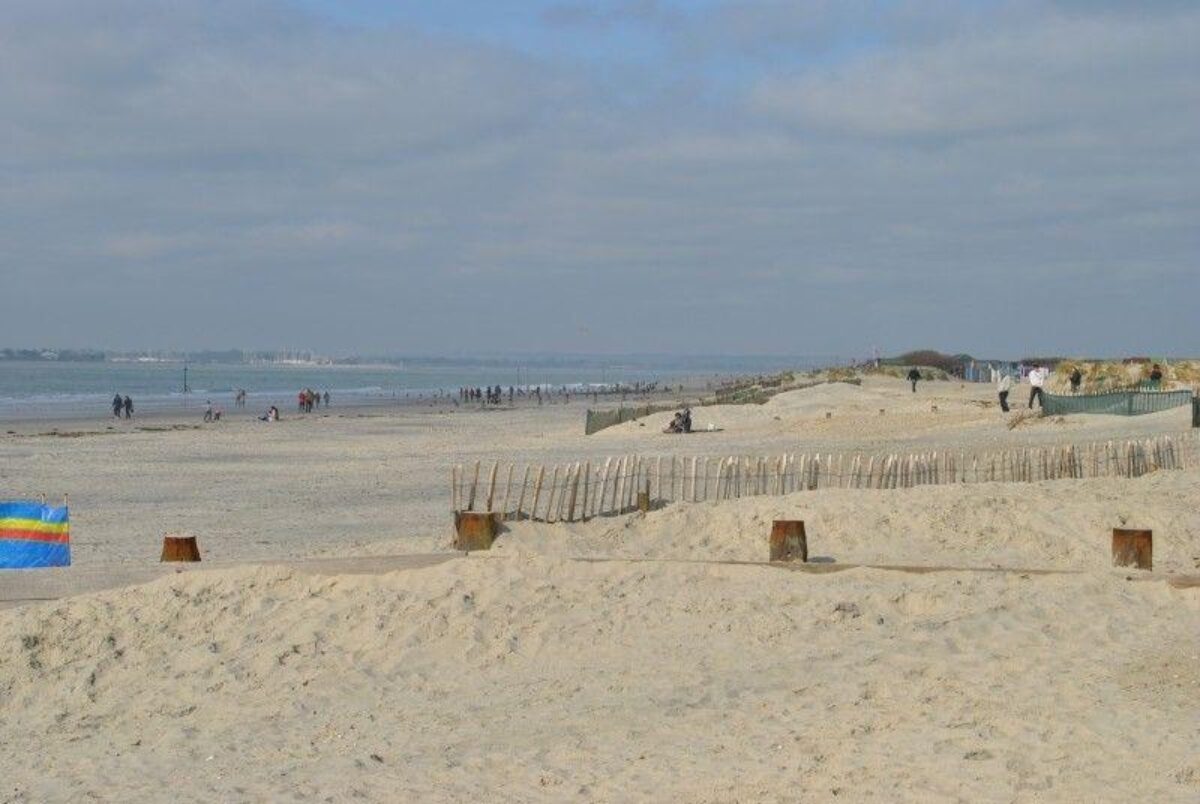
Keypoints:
pixel 261 164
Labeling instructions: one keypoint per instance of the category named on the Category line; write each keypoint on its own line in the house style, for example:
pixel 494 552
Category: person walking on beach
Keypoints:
pixel 1037 378
pixel 128 405
pixel 208 410
pixel 1076 379
pixel 1003 386
pixel 326 399
pixel 117 404
pixel 913 376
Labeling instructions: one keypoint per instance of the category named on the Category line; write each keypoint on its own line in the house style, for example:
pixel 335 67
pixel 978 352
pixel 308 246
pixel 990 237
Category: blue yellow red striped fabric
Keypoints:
pixel 34 535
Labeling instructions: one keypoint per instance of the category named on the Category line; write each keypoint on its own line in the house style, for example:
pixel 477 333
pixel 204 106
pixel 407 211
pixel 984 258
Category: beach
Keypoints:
pixel 632 657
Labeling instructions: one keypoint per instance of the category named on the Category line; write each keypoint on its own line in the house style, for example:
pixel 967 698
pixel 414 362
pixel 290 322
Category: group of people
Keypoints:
pixel 121 405
pixel 1037 381
pixel 495 395
pixel 490 395
pixel 682 423
pixel 309 399
pixel 211 414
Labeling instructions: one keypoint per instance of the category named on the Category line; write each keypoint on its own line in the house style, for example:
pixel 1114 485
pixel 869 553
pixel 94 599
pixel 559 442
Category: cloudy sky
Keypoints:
pixel 621 176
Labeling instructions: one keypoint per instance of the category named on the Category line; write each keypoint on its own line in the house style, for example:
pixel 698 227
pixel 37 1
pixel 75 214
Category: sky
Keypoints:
pixel 619 176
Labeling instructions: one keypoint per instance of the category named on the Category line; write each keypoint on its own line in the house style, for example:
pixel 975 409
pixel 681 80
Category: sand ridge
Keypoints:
pixel 1060 524
pixel 532 678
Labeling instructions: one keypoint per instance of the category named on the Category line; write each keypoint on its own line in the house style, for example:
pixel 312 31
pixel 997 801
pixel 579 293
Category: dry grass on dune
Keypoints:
pixel 1104 375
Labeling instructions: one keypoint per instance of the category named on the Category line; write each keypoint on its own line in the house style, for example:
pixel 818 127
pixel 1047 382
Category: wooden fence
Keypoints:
pixel 581 490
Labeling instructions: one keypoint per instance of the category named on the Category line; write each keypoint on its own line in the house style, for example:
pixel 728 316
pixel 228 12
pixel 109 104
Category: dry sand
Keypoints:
pixel 526 675
pixel 1049 524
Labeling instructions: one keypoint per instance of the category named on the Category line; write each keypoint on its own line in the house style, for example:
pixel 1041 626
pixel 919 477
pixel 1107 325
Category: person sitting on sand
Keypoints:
pixel 675 425
pixel 272 415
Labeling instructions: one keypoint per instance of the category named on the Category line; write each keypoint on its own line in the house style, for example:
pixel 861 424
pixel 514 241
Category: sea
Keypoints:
pixel 57 389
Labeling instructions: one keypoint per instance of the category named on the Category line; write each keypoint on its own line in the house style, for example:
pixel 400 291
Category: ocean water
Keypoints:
pixel 61 389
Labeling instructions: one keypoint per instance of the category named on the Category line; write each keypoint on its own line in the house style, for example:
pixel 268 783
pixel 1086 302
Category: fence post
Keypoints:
pixel 521 499
pixel 603 495
pixel 587 481
pixel 507 492
pixel 658 472
pixel 492 485
pixel 550 510
pixel 537 492
pixel 631 469
pixel 619 486
pixel 474 483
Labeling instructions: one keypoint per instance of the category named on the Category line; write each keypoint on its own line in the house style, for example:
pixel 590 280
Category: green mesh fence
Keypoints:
pixel 1119 403
pixel 597 420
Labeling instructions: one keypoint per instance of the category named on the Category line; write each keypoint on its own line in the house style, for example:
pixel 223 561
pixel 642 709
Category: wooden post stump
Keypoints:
pixel 474 530
pixel 1133 548
pixel 643 501
pixel 788 540
pixel 180 548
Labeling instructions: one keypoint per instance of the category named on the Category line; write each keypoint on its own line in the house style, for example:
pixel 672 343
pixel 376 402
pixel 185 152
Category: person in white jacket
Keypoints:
pixel 1003 386
pixel 1037 378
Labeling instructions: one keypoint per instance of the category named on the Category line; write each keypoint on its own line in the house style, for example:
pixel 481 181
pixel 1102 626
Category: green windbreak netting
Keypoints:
pixel 597 420
pixel 1122 403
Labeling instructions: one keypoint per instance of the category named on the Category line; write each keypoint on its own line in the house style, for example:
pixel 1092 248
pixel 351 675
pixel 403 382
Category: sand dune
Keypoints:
pixel 529 678
pixel 1051 524
pixel 967 415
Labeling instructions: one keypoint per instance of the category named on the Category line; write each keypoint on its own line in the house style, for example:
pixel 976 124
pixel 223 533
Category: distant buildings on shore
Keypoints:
pixel 64 355
pixel 226 357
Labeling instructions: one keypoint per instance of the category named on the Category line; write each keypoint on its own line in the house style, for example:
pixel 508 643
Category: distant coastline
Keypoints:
pixel 311 359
